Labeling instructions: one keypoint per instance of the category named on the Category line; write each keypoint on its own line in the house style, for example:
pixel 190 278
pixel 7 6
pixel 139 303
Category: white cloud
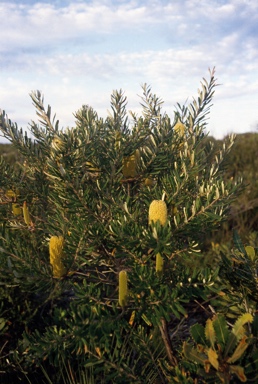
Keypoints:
pixel 45 24
pixel 78 52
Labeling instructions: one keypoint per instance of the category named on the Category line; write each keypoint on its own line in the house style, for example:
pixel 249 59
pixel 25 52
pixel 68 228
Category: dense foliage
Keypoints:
pixel 103 274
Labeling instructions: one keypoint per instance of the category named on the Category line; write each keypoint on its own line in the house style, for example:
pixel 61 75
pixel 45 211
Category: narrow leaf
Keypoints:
pixel 237 333
pixel 131 321
pixel 240 349
pixel 238 242
pixel 252 365
pixel 221 329
pixel 210 332
pixel 193 355
pixel 238 329
pixel 147 321
pixel 213 358
pixel 198 334
pixel 231 343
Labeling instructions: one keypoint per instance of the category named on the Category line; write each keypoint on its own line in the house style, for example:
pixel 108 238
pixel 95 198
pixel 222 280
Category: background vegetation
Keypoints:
pixel 241 164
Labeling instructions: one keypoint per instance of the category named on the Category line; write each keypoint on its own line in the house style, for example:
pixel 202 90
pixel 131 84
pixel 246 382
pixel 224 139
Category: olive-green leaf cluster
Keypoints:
pixel 218 348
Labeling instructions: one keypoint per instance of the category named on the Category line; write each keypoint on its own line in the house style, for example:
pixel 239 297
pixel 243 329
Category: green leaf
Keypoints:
pixel 146 320
pixel 2 323
pixel 93 362
pixel 252 365
pixel 238 242
pixel 232 342
pixel 198 334
pixel 221 329
pixel 180 308
pixel 193 355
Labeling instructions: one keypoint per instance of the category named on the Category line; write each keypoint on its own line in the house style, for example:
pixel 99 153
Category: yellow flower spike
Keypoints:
pixel 56 245
pixel 16 209
pixel 130 164
pixel 123 289
pixel 26 214
pixel 159 264
pixel 179 128
pixel 158 211
pixel 10 193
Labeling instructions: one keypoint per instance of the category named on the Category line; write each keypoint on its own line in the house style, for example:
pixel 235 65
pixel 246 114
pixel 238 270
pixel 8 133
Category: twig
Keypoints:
pixel 165 336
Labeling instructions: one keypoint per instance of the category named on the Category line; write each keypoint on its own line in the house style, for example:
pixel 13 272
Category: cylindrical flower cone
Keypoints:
pixel 56 245
pixel 159 264
pixel 250 252
pixel 16 209
pixel 130 164
pixel 26 214
pixel 149 182
pixel 158 211
pixel 179 128
pixel 123 289
pixel 10 193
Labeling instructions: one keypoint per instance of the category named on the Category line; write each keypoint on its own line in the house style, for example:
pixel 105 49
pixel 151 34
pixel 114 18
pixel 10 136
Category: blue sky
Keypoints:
pixel 77 52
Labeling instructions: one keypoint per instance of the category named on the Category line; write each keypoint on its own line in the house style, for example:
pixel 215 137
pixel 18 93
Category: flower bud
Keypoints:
pixel 123 290
pixel 16 209
pixel 56 245
pixel 130 164
pixel 179 128
pixel 26 214
pixel 159 264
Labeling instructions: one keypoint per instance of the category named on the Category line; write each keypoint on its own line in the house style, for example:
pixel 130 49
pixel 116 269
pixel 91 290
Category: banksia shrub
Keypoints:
pixel 88 182
pixel 56 245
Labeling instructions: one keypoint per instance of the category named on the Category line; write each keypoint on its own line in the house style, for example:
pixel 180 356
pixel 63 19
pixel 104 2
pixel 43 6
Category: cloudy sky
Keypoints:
pixel 76 52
